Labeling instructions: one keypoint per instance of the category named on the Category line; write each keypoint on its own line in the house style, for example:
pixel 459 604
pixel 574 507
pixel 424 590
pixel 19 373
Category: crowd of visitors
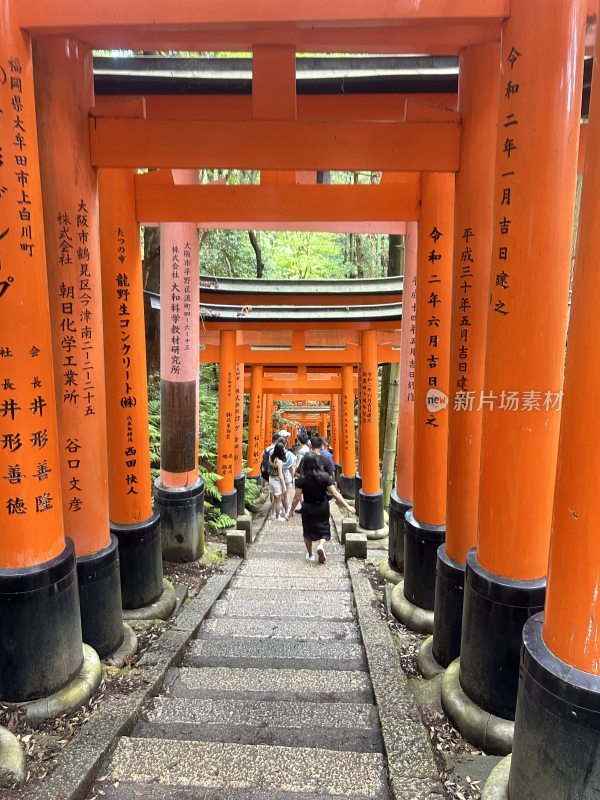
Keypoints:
pixel 302 478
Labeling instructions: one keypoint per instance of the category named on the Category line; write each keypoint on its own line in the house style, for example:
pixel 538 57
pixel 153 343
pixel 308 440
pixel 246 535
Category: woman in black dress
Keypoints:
pixel 314 488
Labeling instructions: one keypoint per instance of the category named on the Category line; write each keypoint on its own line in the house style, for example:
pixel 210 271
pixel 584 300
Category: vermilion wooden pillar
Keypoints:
pixel 478 105
pixel 402 496
pixel 239 481
pixel 226 428
pixel 39 603
pixel 348 443
pixel 359 443
pixel 132 519
pixel 557 728
pixel 179 490
pixel 536 163
pixel 64 92
pixel 424 524
pixel 371 497
pixel 255 413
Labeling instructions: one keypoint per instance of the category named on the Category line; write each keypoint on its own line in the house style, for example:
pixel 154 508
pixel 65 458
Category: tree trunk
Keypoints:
pixel 151 281
pixel 260 266
pixel 391 435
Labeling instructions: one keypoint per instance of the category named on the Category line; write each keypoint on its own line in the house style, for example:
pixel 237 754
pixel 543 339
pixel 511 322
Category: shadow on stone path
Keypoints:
pixel 272 699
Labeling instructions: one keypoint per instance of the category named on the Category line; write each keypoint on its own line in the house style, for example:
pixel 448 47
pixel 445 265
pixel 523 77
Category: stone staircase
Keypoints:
pixel 272 699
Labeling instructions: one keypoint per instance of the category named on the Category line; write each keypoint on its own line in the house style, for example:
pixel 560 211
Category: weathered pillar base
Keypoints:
pixel 100 599
pixel 40 628
pixel 495 611
pixel 229 505
pixel 487 731
pixel 557 728
pixel 239 484
pixel 181 521
pixel 421 542
pixel 75 694
pixel 13 765
pixel 429 666
pixel 370 517
pixel 357 488
pixel 140 557
pixel 159 609
pixel 496 786
pixel 448 608
pixel 398 509
pixel 388 574
pixel 338 476
pixel 126 650
pixel 347 487
pixel 414 617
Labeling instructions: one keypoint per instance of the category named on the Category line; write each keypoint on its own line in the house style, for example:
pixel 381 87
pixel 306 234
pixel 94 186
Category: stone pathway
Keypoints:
pixel 272 699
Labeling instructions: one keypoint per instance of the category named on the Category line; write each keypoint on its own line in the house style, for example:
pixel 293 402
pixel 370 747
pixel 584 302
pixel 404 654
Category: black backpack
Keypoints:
pixel 264 465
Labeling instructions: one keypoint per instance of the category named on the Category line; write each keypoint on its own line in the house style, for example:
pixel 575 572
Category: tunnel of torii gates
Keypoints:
pixel 496 497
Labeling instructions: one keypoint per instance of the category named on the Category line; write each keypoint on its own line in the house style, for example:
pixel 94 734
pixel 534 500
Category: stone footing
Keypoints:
pixel 244 523
pixel 349 525
pixel 388 574
pixel 161 609
pixel 376 534
pixel 496 786
pixel 13 770
pixel 72 696
pixel 492 734
pixel 355 546
pixel 426 660
pixel 415 618
pixel 126 650
pixel 236 543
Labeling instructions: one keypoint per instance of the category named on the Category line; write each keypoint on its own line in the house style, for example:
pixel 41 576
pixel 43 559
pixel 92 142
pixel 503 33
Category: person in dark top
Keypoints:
pixel 312 488
pixel 325 458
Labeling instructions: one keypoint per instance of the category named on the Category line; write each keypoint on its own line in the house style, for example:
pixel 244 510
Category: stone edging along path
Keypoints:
pixel 81 758
pixel 411 766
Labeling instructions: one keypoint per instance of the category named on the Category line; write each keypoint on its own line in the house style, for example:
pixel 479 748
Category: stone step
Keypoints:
pixel 297 555
pixel 265 628
pixel 299 603
pixel 327 583
pixel 211 765
pixel 274 567
pixel 334 726
pixel 323 686
pixel 132 791
pixel 294 545
pixel 274 653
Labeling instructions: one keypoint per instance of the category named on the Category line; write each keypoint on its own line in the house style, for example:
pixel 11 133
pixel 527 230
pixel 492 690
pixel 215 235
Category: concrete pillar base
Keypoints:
pixel 181 521
pixel 388 574
pixel 357 488
pixel 370 513
pixel 448 608
pixel 72 696
pixel 427 662
pixel 557 727
pixel 100 599
pixel 347 487
pixel 140 561
pixel 496 786
pixel 492 734
pixel 495 611
pixel 355 546
pixel 39 609
pixel 236 543
pixel 244 523
pixel 415 618
pixel 239 484
pixel 13 769
pixel 160 609
pixel 376 536
pixel 398 509
pixel 421 542
pixel 126 650
pixel 229 504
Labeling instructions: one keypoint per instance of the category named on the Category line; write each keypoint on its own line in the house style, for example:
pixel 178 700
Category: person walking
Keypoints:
pixel 312 488
pixel 276 480
pixel 325 457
